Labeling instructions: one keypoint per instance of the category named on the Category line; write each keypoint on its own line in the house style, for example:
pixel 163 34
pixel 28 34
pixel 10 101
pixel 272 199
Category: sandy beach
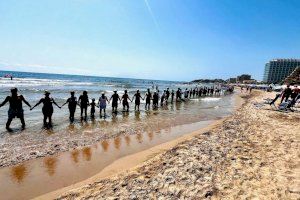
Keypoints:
pixel 252 154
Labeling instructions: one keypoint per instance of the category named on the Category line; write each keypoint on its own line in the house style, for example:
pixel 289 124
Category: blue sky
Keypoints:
pixel 155 39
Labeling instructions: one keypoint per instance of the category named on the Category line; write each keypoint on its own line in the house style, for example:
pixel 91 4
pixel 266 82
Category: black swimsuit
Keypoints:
pixel 48 107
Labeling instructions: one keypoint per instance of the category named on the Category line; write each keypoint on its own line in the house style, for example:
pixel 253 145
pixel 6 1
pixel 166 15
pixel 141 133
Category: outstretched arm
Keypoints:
pixel 5 101
pixel 26 102
pixel 65 103
pixel 56 104
pixel 41 100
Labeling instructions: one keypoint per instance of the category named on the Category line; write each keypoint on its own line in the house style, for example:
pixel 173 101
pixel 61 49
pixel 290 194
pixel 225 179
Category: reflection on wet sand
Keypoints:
pixel 127 140
pixel 75 155
pixel 137 115
pixel 139 137
pixel 117 142
pixel 150 135
pixel 105 145
pixel 50 164
pixel 87 153
pixel 18 173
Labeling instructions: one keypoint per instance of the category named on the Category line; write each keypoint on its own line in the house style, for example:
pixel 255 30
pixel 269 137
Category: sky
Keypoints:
pixel 153 39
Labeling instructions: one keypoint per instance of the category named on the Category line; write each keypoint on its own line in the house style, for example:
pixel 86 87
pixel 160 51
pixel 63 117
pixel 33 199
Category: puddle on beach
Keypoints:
pixel 36 177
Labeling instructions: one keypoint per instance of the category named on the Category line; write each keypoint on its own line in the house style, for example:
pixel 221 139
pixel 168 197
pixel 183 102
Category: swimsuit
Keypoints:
pixel 102 101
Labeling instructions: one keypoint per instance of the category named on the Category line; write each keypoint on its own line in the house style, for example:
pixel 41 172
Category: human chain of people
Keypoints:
pixel 168 96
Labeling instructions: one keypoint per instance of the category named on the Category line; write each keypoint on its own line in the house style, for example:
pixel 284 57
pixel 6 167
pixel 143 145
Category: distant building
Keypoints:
pixel 278 69
pixel 251 81
pixel 231 80
pixel 243 77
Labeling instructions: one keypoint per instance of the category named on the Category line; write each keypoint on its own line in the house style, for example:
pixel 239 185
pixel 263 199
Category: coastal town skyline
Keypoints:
pixel 208 39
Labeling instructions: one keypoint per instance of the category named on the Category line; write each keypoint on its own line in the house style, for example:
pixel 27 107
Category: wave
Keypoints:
pixel 209 99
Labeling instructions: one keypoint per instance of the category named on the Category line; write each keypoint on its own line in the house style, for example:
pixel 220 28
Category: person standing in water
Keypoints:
pixel 137 96
pixel 102 104
pixel 125 102
pixel 155 100
pixel 162 98
pixel 148 97
pixel 167 95
pixel 72 103
pixel 15 108
pixel 93 109
pixel 172 96
pixel 47 108
pixel 115 97
pixel 83 101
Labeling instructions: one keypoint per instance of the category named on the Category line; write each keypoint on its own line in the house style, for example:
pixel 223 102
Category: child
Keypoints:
pixel 93 104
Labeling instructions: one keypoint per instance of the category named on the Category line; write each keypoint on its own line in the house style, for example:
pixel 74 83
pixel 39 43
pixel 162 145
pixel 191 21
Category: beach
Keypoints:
pixel 252 154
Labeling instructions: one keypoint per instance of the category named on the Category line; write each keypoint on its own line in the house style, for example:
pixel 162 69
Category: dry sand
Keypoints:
pixel 253 154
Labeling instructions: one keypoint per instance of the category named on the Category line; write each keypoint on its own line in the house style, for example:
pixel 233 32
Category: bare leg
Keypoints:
pixel 50 120
pixel 23 122
pixel 45 120
pixel 8 124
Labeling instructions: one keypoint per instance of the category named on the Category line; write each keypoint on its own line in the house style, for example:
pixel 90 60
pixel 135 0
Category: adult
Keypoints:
pixel 286 93
pixel 125 102
pixel 148 97
pixel 167 95
pixel 115 97
pixel 102 104
pixel 72 103
pixel 137 96
pixel 83 102
pixel 15 108
pixel 47 108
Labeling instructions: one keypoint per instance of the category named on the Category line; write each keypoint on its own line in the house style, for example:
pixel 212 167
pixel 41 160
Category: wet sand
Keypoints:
pixel 253 154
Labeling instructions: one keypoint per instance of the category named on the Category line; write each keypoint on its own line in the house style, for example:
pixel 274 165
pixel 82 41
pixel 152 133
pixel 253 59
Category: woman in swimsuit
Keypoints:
pixel 138 98
pixel 148 97
pixel 102 104
pixel 15 108
pixel 125 98
pixel 47 108
pixel 83 101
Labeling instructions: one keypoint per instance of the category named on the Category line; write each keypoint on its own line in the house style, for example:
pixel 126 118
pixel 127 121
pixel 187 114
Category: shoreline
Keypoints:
pixel 133 161
pixel 251 154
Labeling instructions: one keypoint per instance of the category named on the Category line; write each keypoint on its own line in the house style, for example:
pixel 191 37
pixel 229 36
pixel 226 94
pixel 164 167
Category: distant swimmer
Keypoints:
pixel 125 102
pixel 47 108
pixel 93 108
pixel 72 103
pixel 172 96
pixel 115 97
pixel 148 97
pixel 102 104
pixel 83 102
pixel 137 96
pixel 15 108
